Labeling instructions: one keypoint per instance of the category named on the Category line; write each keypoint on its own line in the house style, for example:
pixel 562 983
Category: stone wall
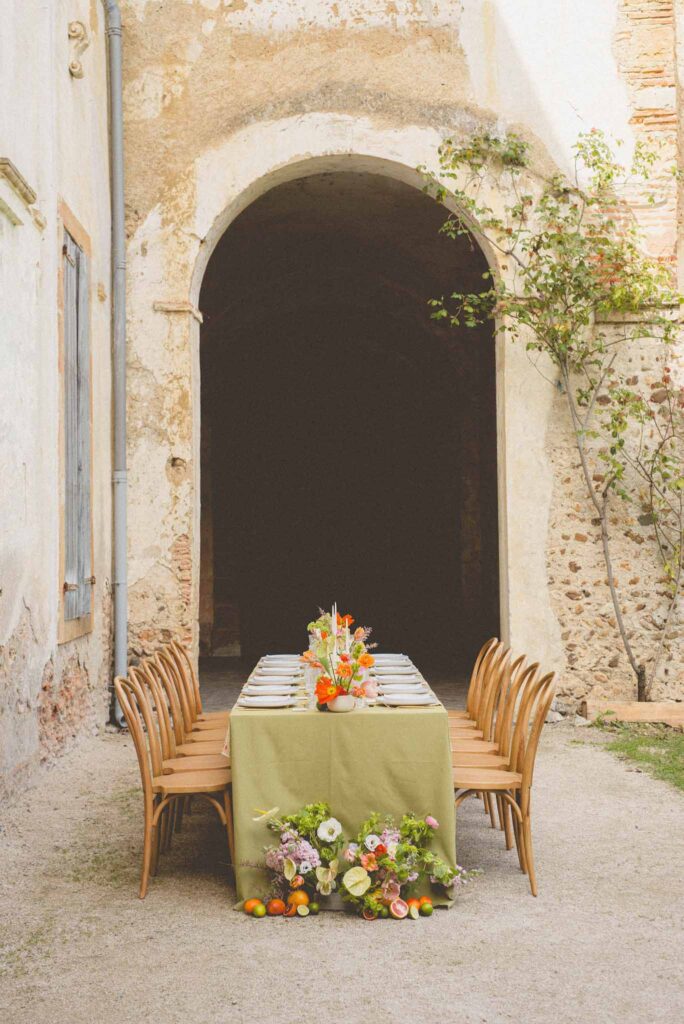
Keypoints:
pixel 235 98
pixel 53 129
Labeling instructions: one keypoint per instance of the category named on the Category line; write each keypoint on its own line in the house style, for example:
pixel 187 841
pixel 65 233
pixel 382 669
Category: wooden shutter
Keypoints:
pixel 77 525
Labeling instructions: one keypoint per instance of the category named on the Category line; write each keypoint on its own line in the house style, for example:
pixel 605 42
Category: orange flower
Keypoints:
pixel 366 660
pixel 344 657
pixel 359 633
pixel 344 670
pixel 308 655
pixel 344 620
pixel 326 690
pixel 324 634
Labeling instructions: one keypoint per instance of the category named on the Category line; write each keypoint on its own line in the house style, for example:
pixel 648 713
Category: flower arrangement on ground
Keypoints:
pixel 305 860
pixel 386 861
pixel 342 658
pixel 375 873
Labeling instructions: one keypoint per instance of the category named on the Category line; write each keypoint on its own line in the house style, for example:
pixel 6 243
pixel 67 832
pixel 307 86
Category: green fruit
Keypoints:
pixel 414 912
pixel 384 912
pixel 259 911
pixel 314 908
pixel 303 911
pixel 426 909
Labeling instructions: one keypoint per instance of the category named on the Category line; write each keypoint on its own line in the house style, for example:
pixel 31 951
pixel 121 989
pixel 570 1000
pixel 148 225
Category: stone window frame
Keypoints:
pixel 71 629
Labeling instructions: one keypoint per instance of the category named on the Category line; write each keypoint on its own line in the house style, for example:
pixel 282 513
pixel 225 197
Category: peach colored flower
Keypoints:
pixel 369 862
pixel 366 660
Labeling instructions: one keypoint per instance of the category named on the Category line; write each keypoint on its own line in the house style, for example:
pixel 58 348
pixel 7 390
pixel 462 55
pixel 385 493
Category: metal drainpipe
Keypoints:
pixel 120 570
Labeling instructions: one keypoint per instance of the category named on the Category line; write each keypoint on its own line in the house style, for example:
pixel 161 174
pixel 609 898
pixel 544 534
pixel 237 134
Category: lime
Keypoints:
pixel 426 909
pixel 259 910
pixel 414 912
pixel 314 908
pixel 384 912
pixel 303 910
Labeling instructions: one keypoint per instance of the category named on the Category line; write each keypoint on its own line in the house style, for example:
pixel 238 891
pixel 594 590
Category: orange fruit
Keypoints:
pixel 249 905
pixel 291 911
pixel 298 898
pixel 425 899
pixel 413 902
pixel 275 907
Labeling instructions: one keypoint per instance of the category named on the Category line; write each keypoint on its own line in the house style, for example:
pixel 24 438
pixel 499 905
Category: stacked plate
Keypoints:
pixel 399 682
pixel 274 683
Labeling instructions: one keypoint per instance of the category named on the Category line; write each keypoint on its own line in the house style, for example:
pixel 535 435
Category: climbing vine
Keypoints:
pixel 575 286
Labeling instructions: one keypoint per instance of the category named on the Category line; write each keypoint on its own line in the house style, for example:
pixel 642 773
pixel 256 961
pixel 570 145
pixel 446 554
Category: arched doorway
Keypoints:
pixel 348 441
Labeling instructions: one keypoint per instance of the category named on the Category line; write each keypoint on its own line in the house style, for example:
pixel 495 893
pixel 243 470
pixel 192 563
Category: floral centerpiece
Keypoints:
pixel 387 861
pixel 343 660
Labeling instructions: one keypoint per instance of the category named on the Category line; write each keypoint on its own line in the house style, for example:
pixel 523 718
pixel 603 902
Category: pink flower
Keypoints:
pixel 391 890
pixel 371 688
pixel 431 822
pixel 351 852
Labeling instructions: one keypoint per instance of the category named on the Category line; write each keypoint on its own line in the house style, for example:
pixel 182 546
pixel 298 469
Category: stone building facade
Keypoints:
pixel 249 124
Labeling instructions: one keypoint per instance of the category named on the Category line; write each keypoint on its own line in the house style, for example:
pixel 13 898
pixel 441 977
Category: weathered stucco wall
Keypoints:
pixel 53 127
pixel 232 98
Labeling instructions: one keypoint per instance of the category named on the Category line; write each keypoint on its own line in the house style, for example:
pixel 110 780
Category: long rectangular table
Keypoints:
pixel 390 760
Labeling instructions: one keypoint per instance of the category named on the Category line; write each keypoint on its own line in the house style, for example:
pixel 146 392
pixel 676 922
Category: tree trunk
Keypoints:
pixel 641 684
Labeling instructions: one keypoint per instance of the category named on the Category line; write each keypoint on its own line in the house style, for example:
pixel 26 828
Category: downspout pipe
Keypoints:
pixel 120 565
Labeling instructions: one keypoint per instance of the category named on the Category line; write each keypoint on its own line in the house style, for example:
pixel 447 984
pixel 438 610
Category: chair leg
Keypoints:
pixel 529 856
pixel 500 810
pixel 147 856
pixel 155 850
pixel 179 813
pixel 519 843
pixel 490 808
pixel 508 831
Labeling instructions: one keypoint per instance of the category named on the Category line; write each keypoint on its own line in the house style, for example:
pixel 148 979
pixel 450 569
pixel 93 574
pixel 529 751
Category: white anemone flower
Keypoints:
pixel 371 841
pixel 329 830
pixel 305 867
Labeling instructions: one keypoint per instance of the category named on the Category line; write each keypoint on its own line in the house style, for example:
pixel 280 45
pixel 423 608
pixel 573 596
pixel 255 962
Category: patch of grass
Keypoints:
pixel 657 749
pixel 15 960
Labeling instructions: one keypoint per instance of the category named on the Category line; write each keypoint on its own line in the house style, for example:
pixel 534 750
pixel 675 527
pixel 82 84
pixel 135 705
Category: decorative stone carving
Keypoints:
pixel 17 196
pixel 78 37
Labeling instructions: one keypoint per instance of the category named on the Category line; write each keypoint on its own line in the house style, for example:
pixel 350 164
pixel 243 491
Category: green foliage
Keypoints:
pixel 570 258
pixel 657 749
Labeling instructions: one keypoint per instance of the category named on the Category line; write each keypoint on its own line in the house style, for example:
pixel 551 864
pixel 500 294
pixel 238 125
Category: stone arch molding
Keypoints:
pixel 168 256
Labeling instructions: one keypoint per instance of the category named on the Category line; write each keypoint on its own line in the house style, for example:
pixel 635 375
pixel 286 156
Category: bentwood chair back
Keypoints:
pixel 187 741
pixel 188 675
pixel 475 685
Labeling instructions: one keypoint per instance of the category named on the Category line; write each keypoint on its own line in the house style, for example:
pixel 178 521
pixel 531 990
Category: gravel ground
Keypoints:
pixel 601 943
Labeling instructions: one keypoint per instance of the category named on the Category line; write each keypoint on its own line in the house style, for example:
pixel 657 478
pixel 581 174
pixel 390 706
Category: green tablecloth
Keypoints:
pixel 390 760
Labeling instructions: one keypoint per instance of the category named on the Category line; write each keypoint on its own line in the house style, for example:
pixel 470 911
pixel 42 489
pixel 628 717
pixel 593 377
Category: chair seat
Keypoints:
pixel 199 749
pixel 192 782
pixel 205 736
pixel 486 779
pixel 200 725
pixel 214 716
pixel 462 723
pixel 465 734
pixel 463 746
pixel 473 760
pixel 203 762
pixel 459 714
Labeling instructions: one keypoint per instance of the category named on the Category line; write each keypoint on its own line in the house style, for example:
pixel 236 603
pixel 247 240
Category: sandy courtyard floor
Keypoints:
pixel 602 942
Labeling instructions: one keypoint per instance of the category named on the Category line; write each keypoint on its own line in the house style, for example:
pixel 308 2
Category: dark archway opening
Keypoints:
pixel 348 440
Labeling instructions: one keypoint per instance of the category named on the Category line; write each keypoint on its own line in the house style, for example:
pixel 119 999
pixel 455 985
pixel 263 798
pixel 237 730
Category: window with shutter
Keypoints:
pixel 76 360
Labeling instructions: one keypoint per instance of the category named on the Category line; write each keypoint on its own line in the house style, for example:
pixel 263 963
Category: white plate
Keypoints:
pixel 280 681
pixel 402 687
pixel 382 679
pixel 281 657
pixel 285 670
pixel 281 690
pixel 265 702
pixel 399 700
pixel 391 657
pixel 397 669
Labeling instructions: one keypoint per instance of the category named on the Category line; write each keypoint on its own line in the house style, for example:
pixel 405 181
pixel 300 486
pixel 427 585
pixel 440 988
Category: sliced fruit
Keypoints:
pixel 414 911
pixel 298 898
pixel 275 907
pixel 427 909
pixel 259 910
pixel 303 910
pixel 398 909
pixel 249 905
pixel 291 911
pixel 368 915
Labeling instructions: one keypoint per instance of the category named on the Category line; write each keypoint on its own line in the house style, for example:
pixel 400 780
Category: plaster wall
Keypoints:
pixel 53 127
pixel 236 97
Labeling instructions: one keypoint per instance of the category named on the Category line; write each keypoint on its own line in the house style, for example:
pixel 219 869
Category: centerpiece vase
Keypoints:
pixel 345 702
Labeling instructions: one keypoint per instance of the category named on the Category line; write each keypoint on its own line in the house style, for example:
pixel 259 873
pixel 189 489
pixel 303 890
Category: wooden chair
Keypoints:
pixel 160 791
pixel 513 785
pixel 146 676
pixel 187 730
pixel 468 717
pixel 191 683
